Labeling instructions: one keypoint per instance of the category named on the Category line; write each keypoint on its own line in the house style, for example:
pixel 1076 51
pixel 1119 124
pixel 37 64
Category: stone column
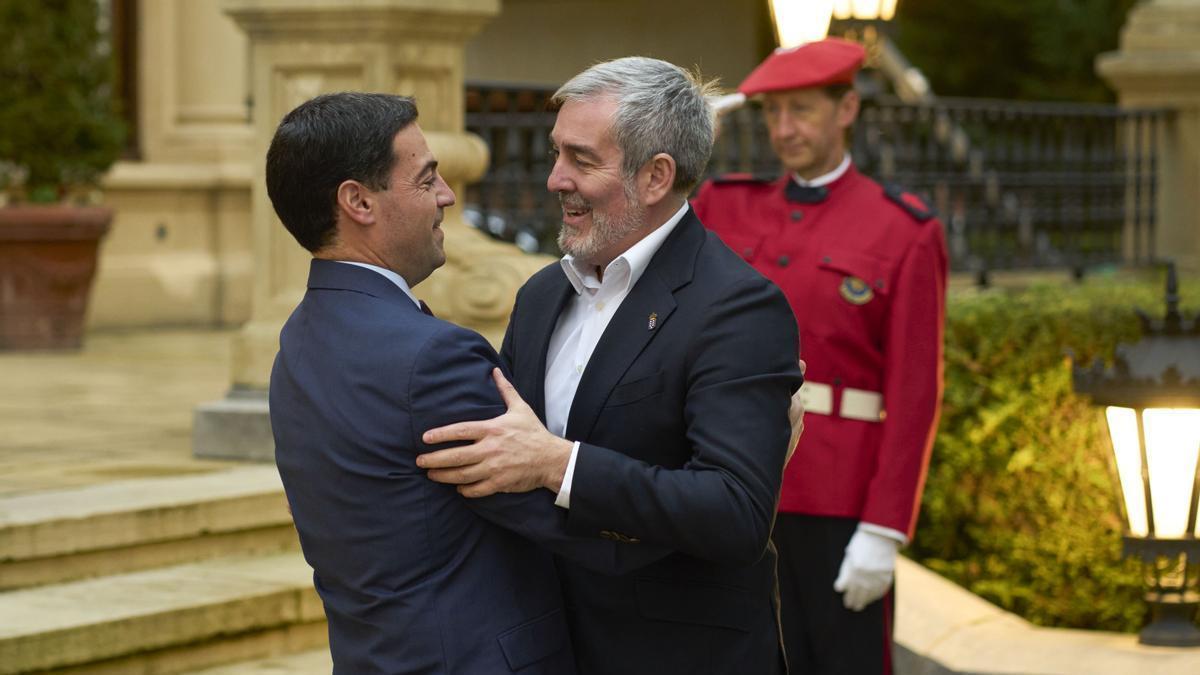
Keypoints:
pixel 178 252
pixel 1158 65
pixel 302 48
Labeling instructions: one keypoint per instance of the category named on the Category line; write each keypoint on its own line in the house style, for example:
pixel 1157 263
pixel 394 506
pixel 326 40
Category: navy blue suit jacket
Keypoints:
pixel 682 415
pixel 414 578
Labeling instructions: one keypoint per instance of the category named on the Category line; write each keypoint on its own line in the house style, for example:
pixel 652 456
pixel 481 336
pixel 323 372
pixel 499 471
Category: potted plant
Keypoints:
pixel 59 133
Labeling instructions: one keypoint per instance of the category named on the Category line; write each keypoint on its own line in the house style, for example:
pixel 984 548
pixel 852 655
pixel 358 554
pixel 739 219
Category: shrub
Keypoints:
pixel 59 129
pixel 1021 506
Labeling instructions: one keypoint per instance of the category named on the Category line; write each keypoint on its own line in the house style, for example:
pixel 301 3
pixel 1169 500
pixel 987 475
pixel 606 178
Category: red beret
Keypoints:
pixel 813 64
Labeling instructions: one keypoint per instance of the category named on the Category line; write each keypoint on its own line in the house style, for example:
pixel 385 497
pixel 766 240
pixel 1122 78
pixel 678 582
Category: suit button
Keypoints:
pixel 784 260
pixel 826 259
pixel 797 215
pixel 747 252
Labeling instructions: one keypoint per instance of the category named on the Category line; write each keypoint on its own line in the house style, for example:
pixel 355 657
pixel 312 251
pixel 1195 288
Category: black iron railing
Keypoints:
pixel 1017 185
pixel 511 201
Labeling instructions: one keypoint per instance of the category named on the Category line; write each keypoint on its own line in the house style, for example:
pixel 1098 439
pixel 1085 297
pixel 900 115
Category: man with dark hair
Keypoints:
pixel 865 270
pixel 413 578
pixel 661 368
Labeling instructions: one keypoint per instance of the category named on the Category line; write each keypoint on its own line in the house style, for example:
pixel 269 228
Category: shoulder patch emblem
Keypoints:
pixel 911 203
pixel 856 291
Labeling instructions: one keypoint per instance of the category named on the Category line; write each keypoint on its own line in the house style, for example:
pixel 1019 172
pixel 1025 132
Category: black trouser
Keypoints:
pixel 821 636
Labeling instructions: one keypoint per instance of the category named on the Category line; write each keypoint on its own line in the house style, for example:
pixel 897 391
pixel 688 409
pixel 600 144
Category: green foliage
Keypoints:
pixel 1021 506
pixel 1033 49
pixel 58 124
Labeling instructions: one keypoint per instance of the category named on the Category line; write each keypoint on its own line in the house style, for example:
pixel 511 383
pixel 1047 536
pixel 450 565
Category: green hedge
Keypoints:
pixel 58 115
pixel 1021 504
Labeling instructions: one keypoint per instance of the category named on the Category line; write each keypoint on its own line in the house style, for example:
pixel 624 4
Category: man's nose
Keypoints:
pixel 445 194
pixel 784 126
pixel 558 181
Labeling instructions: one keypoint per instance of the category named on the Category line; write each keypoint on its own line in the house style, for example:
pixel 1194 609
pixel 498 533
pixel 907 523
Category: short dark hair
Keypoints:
pixel 323 142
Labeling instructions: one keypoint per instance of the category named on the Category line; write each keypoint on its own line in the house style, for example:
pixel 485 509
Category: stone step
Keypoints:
pixel 165 620
pixel 121 526
pixel 313 662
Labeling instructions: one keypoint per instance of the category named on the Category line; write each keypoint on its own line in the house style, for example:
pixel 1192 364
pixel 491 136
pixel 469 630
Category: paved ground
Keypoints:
pixel 120 408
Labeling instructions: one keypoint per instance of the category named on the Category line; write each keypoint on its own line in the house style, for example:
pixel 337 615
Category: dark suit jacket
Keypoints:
pixel 413 577
pixel 684 428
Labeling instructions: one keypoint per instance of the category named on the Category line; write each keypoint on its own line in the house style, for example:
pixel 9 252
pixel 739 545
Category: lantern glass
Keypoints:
pixel 1122 427
pixel 800 21
pixel 864 10
pixel 1172 441
pixel 1172 449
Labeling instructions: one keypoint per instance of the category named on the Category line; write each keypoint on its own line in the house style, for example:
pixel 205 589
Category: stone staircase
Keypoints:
pixel 155 576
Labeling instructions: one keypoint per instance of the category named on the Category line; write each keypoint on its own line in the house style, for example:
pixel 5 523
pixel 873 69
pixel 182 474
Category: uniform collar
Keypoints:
pixel 800 191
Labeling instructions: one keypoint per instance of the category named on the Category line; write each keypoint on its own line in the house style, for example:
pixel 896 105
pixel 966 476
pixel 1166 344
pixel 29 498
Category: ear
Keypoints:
pixel 847 109
pixel 657 178
pixel 356 202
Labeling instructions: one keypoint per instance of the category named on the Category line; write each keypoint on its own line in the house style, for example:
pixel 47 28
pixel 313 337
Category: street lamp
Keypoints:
pixel 864 10
pixel 800 21
pixel 1152 395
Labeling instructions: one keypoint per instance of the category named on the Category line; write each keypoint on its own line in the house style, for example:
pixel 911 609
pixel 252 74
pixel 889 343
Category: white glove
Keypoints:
pixel 867 569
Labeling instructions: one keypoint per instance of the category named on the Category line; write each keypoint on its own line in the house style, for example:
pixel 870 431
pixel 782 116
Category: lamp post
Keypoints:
pixel 1152 399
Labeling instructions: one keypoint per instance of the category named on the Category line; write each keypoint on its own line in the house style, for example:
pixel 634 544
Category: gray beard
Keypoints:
pixel 605 232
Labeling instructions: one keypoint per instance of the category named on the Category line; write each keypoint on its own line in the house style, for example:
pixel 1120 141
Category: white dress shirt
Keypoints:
pixel 582 323
pixel 392 276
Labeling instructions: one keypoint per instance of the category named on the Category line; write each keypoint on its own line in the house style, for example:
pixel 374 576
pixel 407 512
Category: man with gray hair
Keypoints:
pixel 658 369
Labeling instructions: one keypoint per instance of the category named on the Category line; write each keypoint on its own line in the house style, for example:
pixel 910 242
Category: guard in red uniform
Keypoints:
pixel 864 267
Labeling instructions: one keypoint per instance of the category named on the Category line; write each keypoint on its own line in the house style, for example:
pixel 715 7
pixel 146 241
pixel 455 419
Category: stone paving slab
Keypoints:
pixel 87 621
pixel 943 629
pixel 120 408
pixel 109 528
pixel 125 512
pixel 316 662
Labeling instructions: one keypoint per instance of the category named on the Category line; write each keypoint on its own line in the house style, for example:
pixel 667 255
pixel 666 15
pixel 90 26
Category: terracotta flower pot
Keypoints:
pixel 47 262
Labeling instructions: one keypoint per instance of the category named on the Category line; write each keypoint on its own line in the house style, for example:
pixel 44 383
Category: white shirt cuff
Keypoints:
pixel 564 493
pixel 882 531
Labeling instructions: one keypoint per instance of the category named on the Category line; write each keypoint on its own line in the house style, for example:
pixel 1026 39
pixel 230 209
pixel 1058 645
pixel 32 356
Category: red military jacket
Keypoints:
pixel 865 272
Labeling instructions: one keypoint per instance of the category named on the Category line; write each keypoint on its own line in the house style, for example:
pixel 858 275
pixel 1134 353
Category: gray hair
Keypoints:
pixel 660 108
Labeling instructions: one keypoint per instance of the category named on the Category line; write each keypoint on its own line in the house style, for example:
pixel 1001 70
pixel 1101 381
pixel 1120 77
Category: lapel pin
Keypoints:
pixel 653 321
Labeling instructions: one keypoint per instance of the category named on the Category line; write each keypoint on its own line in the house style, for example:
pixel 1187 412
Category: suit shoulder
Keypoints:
pixel 728 281
pixel 448 332
pixel 720 264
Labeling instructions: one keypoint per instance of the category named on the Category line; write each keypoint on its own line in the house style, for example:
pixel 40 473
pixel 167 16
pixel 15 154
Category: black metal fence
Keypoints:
pixel 1017 185
pixel 511 201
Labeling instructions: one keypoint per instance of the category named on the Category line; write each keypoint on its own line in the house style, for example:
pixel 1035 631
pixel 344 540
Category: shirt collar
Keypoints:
pixel 825 179
pixel 395 278
pixel 636 257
